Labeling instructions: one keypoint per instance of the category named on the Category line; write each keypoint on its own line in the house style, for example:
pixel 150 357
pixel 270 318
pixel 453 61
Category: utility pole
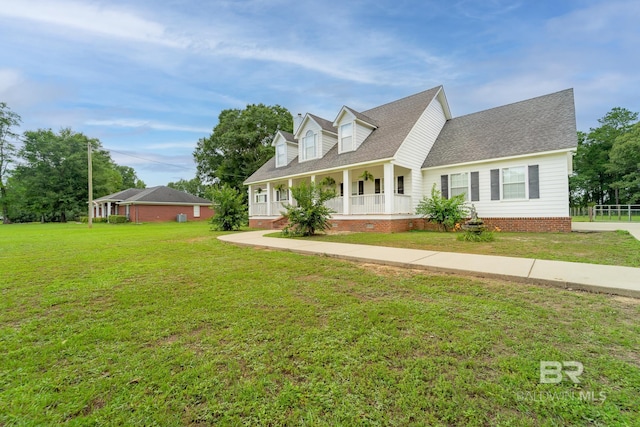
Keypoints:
pixel 90 217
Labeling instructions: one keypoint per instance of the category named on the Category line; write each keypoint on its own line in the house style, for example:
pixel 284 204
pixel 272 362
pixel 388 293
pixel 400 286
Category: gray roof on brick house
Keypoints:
pixel 395 120
pixel 159 195
pixel 120 195
pixel 545 123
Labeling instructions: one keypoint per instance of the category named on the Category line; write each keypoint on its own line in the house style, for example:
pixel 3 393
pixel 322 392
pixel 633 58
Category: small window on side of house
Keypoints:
pixel 196 211
pixel 400 186
pixel 460 184
pixel 513 183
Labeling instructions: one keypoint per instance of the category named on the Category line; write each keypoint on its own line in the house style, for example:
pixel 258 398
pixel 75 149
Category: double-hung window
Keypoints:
pixel 513 183
pixel 460 184
pixel 346 137
pixel 309 146
pixel 281 155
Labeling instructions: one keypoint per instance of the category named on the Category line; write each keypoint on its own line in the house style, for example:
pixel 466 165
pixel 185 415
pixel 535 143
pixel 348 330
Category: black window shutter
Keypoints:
pixel 475 186
pixel 444 186
pixel 495 184
pixel 534 182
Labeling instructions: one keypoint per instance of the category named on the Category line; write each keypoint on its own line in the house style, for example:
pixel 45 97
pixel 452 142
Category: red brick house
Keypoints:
pixel 153 204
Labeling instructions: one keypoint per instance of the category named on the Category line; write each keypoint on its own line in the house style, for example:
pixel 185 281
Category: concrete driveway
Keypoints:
pixel 631 227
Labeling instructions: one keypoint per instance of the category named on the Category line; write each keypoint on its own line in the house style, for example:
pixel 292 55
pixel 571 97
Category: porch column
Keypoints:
pixel 108 209
pixel 249 199
pixel 313 178
pixel 388 188
pixel 268 199
pixel 289 185
pixel 346 191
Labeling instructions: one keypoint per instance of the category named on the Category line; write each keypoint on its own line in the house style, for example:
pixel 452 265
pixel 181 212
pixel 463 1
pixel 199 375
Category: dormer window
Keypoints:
pixel 346 137
pixel 309 148
pixel 281 155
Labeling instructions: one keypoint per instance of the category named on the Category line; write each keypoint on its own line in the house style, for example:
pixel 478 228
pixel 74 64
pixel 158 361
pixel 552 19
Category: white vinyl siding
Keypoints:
pixel 459 185
pixel 292 152
pixel 327 142
pixel 417 145
pixel 553 186
pixel 514 183
pixel 361 133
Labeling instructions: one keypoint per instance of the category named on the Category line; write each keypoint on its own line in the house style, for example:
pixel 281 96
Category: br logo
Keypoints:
pixel 551 372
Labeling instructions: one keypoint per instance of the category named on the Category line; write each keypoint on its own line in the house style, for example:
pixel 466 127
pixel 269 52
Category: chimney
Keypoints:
pixel 297 121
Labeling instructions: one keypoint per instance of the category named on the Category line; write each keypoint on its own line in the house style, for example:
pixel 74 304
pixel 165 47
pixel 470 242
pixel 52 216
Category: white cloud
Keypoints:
pixel 92 18
pixel 147 124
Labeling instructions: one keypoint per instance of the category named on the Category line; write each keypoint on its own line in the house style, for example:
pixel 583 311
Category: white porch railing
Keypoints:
pixel 402 203
pixel 359 205
pixel 335 204
pixel 367 204
pixel 258 209
pixel 278 207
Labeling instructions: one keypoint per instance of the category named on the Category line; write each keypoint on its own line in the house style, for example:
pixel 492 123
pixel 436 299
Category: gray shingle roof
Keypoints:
pixel 545 123
pixel 120 195
pixel 362 117
pixel 288 136
pixel 324 123
pixel 394 119
pixel 159 194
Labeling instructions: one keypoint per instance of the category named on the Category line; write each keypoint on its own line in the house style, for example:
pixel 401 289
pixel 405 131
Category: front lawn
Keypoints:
pixel 162 324
pixel 611 248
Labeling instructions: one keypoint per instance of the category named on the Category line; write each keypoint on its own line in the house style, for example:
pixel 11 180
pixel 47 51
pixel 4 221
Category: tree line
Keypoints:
pixel 44 174
pixel 607 162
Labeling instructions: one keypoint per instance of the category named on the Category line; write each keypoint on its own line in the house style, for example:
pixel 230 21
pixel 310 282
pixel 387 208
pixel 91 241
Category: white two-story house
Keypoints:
pixel 511 162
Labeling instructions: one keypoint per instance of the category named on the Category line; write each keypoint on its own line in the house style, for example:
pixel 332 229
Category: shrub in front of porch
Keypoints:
pixel 230 210
pixel 310 213
pixel 446 212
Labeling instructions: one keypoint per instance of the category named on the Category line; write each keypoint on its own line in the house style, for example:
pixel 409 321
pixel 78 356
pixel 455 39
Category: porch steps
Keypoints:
pixel 279 223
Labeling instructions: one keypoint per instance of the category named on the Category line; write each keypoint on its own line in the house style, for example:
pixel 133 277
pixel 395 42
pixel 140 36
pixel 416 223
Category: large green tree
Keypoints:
pixel 52 175
pixel 240 143
pixel 624 163
pixel 593 178
pixel 129 178
pixel 192 186
pixel 8 121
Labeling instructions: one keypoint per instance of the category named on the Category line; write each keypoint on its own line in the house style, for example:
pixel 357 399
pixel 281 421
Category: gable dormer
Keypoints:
pixel 286 148
pixel 353 128
pixel 315 137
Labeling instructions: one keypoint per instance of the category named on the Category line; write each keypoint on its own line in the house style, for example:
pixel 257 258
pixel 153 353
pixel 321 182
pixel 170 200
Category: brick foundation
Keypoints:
pixel 536 225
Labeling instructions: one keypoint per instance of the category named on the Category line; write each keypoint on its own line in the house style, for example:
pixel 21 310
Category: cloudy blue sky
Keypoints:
pixel 149 78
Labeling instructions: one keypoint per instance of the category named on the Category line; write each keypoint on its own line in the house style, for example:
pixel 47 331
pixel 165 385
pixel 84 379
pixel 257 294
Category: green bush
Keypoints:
pixel 117 219
pixel 446 212
pixel 85 220
pixel 470 236
pixel 230 211
pixel 310 214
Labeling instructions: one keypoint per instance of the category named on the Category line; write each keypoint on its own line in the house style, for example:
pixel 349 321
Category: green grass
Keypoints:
pixel 610 248
pixel 163 324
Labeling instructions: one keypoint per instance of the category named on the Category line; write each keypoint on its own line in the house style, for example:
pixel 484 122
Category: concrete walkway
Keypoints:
pixel 608 279
pixel 631 227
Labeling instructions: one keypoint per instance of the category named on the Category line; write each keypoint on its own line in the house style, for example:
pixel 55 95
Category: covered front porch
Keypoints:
pixel 375 189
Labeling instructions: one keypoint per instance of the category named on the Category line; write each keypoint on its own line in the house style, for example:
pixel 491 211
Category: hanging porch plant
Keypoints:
pixel 367 176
